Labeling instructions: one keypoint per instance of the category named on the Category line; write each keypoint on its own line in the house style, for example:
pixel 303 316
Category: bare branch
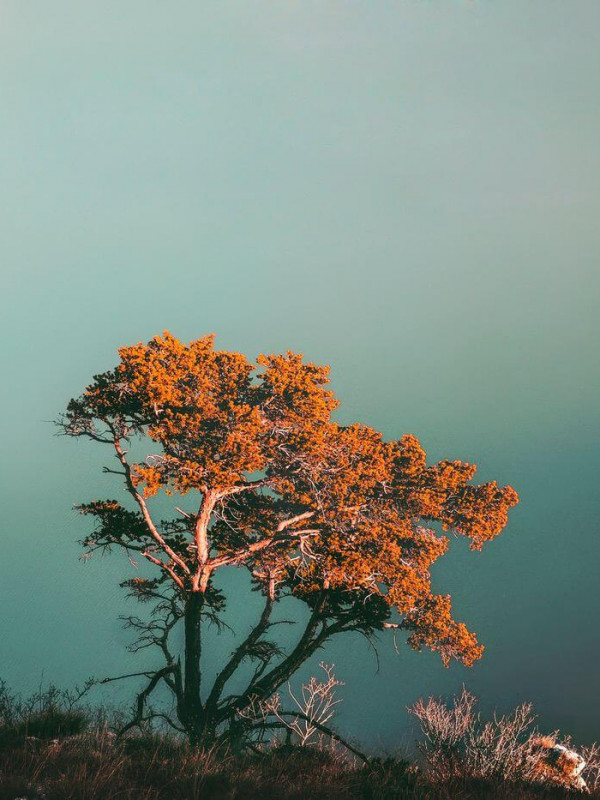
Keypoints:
pixel 170 572
pixel 316 703
pixel 324 729
pixel 245 487
pixel 293 520
pixel 263 544
pixel 143 696
pixel 146 674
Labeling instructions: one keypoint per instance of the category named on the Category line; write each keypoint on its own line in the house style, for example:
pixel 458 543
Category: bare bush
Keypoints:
pixel 316 703
pixel 500 748
pixel 458 744
pixel 47 714
pixel 306 721
pixel 446 730
pixel 591 753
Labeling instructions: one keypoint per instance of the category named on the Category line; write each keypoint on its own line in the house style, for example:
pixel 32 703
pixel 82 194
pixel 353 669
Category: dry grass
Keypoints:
pixel 99 768
pixel 96 767
pixel 74 756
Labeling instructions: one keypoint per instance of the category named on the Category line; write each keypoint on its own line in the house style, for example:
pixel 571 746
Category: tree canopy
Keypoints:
pixel 263 477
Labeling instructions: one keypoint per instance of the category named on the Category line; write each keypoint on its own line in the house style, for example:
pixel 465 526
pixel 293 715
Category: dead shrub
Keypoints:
pixel 459 745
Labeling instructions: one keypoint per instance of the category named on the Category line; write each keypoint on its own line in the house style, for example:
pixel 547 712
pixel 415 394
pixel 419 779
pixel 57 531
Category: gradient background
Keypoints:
pixel 405 190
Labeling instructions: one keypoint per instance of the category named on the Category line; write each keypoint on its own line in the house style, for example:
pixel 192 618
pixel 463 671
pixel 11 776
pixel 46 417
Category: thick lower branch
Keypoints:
pixel 239 654
pixel 269 683
pixel 303 650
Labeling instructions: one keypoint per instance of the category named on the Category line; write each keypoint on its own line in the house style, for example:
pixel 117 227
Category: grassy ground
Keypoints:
pixel 51 749
pixel 97 767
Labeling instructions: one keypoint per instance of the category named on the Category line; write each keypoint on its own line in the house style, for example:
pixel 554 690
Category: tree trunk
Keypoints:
pixel 191 711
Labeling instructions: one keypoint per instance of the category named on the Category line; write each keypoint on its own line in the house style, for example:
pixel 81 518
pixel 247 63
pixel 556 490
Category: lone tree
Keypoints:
pixel 329 514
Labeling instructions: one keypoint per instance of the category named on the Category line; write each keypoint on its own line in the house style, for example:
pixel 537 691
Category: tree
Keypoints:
pixel 329 514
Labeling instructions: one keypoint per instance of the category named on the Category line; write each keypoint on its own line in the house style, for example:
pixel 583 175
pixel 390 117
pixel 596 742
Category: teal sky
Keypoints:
pixel 408 191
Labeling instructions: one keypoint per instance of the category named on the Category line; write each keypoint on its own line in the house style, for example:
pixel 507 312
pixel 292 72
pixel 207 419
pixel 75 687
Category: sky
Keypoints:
pixel 407 191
